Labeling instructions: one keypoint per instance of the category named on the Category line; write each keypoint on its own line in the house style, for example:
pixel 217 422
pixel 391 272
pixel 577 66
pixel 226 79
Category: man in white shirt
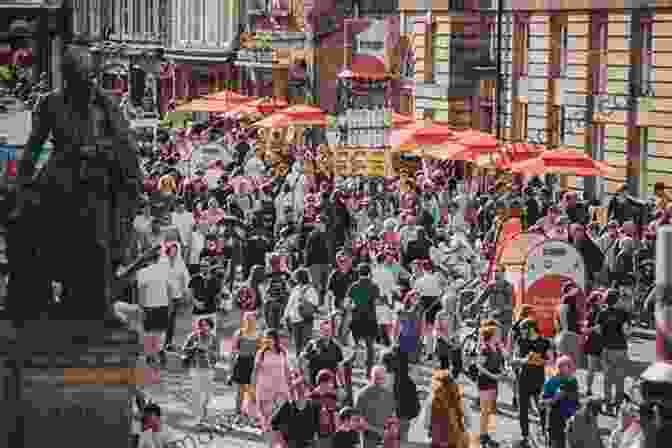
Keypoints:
pixel 152 284
pixel 178 286
pixel 255 166
pixel 184 221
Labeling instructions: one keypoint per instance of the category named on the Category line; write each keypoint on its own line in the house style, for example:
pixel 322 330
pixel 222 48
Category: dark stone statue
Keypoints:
pixel 72 221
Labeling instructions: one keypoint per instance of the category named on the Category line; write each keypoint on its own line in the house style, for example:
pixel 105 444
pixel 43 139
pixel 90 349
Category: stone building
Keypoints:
pixel 593 79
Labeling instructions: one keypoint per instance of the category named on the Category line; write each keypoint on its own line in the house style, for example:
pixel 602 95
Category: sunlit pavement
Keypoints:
pixel 172 393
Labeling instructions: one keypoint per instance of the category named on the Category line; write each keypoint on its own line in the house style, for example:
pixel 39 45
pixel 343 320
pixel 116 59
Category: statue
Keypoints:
pixel 72 220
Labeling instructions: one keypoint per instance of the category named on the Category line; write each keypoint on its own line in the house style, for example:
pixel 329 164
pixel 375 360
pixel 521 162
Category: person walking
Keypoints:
pixel 244 349
pixel 446 332
pixel 178 287
pixel 376 403
pixel 531 353
pixel 561 397
pixel 613 324
pixel 490 368
pixel 340 281
pixel 364 325
pixel 200 350
pixel 405 391
pixel 271 376
pixel 445 417
pixel 298 419
pixel 301 309
pixel 316 257
pixel 153 296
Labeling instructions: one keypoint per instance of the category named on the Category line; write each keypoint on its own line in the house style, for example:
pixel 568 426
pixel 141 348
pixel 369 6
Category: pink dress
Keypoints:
pixel 272 384
pixel 271 376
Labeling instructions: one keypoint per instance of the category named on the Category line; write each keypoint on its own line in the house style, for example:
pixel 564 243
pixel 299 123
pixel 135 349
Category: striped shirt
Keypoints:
pixel 277 287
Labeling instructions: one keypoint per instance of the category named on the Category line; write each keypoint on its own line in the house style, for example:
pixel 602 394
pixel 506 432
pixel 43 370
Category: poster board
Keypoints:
pixel 512 255
pixel 548 266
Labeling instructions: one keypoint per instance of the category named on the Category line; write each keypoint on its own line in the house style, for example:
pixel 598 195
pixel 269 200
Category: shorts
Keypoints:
pixel 156 318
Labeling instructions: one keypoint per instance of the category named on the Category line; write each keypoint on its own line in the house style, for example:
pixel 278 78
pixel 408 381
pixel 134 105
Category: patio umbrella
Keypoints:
pixel 564 161
pixel 229 96
pixel 259 106
pixel 203 105
pixel 400 120
pixel 421 135
pixel 477 140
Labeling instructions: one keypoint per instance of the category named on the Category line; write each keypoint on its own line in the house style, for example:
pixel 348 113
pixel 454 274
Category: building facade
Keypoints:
pixel 597 80
pixel 202 38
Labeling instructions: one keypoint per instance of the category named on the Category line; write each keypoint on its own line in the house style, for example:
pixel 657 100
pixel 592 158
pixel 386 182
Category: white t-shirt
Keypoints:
pixel 197 246
pixel 178 279
pixel 255 167
pixel 385 279
pixel 153 286
pixel 428 285
pixel 184 223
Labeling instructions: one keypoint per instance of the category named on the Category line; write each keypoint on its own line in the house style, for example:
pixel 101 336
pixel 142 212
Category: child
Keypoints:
pixel 561 396
pixel 347 434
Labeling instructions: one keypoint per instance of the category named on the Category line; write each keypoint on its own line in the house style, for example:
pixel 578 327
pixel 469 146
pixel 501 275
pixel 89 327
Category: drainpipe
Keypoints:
pixel 634 156
pixel 499 85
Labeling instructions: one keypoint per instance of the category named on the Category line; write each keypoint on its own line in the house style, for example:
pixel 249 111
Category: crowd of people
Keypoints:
pixel 387 274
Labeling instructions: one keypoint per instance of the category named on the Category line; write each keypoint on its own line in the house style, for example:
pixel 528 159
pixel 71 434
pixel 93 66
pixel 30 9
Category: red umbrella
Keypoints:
pixel 564 161
pixel 477 140
pixel 420 135
pixel 400 120
pixel 229 96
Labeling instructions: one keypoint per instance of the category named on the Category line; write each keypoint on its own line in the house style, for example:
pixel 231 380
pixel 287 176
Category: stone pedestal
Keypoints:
pixel 68 384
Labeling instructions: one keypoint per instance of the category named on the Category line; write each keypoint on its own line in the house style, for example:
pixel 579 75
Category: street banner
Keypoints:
pixel 548 266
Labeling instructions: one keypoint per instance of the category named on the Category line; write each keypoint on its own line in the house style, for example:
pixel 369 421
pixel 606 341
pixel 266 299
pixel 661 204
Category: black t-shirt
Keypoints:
pixel 298 425
pixel 346 439
pixel 537 349
pixel 612 321
pixel 493 362
pixel 339 283
pixel 317 251
pixel 256 251
pixel 323 353
pixel 205 290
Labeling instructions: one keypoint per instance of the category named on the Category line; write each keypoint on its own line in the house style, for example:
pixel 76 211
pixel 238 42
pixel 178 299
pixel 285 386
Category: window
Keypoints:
pixel 197 20
pixel 184 20
pixel 525 54
pixel 647 58
pixel 564 51
pixel 212 19
pixel 115 14
pixel 125 17
pixel 150 16
pixel 137 18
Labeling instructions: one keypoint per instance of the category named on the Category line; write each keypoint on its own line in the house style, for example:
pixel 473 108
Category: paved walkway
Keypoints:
pixel 174 390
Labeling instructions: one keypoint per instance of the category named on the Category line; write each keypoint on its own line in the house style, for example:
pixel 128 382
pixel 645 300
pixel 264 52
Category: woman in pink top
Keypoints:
pixel 271 376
